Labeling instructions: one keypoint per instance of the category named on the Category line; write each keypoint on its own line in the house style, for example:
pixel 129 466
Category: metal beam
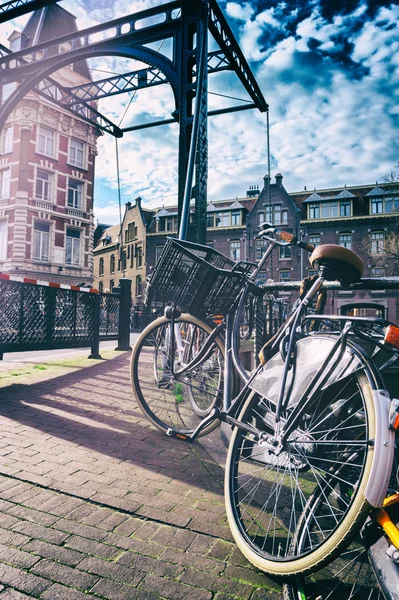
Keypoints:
pixel 134 80
pixel 51 90
pixel 224 37
pixel 16 8
pixel 135 29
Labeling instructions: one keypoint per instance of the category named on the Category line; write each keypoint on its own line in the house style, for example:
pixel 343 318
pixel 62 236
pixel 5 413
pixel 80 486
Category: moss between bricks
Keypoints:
pixel 52 368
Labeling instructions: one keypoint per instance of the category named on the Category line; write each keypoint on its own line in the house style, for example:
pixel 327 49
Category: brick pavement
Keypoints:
pixel 96 503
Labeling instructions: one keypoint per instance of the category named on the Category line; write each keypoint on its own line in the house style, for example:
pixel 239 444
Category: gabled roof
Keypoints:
pixel 345 194
pixel 235 206
pixel 313 198
pixel 377 191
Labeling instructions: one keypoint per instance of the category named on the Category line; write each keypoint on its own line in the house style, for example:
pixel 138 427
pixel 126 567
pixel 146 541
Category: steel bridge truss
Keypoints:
pixel 186 23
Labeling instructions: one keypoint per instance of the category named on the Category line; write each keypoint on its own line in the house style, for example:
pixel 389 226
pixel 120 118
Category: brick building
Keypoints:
pixel 47 172
pixel 357 217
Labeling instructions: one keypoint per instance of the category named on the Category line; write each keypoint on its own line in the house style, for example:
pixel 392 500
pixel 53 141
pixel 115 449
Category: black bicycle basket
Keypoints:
pixel 195 278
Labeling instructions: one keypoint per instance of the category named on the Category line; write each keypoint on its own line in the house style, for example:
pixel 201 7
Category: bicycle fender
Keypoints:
pixel 384 446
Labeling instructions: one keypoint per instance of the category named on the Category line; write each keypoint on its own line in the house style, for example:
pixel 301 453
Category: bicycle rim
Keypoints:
pixel 292 513
pixel 177 402
pixel 348 577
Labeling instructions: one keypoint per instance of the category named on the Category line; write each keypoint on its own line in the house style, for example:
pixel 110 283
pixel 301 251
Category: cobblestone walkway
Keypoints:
pixel 96 503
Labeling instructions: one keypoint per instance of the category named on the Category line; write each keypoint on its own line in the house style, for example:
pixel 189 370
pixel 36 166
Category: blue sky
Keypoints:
pixel 329 71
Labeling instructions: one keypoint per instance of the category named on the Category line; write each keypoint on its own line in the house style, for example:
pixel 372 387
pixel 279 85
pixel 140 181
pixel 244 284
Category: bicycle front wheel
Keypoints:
pixel 170 400
pixel 292 512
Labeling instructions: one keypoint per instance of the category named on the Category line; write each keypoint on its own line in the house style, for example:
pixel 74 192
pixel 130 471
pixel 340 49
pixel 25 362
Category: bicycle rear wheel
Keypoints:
pixel 291 513
pixel 169 400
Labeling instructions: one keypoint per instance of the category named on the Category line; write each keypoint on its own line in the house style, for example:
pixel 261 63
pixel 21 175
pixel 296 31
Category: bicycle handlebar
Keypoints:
pixel 285 236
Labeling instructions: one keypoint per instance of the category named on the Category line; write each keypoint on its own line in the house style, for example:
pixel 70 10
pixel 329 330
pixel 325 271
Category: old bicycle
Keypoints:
pixel 311 448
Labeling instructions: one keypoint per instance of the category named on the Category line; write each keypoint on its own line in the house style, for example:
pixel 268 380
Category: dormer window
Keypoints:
pixel 222 219
pixel 377 206
pixel 345 208
pixel 236 217
pixel 329 210
pixel 314 210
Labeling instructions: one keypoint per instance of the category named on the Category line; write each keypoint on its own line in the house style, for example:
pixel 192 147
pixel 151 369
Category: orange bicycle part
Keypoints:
pixel 384 520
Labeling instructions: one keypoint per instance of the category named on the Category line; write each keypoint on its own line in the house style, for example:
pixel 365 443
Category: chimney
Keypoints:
pixel 279 180
pixel 138 201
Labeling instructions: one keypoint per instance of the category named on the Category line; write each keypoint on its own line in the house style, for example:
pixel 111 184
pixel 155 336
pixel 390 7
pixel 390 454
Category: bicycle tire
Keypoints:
pixel 348 577
pixel 168 402
pixel 265 518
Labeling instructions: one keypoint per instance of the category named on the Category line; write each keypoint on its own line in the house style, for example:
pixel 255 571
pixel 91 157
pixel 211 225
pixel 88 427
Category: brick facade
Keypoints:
pixel 48 155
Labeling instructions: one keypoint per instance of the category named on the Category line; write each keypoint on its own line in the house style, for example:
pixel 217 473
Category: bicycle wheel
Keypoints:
pixel 348 577
pixel 290 513
pixel 173 401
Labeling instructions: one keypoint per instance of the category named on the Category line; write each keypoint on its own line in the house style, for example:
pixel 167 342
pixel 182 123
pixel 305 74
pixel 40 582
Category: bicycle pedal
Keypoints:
pixel 175 434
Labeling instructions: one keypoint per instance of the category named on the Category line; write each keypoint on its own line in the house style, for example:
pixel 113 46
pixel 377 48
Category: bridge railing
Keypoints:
pixel 38 315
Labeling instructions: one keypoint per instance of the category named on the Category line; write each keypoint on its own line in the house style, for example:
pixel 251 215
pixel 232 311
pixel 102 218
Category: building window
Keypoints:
pixel 158 252
pixel 312 272
pixel 5 178
pixel 7 90
pixel 391 204
pixel 209 220
pixel 235 250
pixel 76 153
pixel 314 211
pixel 275 215
pixel 3 240
pixel 112 263
pixel 138 285
pixel 139 258
pixel 44 185
pixel 101 267
pixel 329 210
pixel 284 217
pixel 377 242
pixel 75 193
pixel 41 241
pixel 171 223
pixel 260 218
pixel 130 232
pixel 314 240
pixel 345 240
pixel 345 208
pixel 7 140
pixel 111 285
pixel 72 247
pixel 377 272
pixel 377 206
pixel 285 275
pixel 260 248
pixel 222 219
pixel 46 141
pixel 285 252
pixel 236 217
pixel 101 286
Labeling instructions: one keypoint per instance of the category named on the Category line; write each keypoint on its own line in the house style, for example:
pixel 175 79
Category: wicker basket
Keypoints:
pixel 197 279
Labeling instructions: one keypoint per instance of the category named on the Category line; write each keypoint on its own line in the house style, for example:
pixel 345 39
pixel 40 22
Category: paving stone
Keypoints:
pixel 30 514
pixel 64 574
pixel 190 560
pixel 81 530
pixel 172 589
pixel 129 526
pixel 17 558
pixel 60 592
pixel 91 547
pixel 114 571
pixel 10 594
pixel 25 582
pixel 35 530
pixel 117 591
pixel 57 553
pixel 147 564
pixel 221 550
pixel 210 582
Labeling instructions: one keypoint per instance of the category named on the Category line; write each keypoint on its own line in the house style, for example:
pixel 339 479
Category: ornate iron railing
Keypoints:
pixel 40 317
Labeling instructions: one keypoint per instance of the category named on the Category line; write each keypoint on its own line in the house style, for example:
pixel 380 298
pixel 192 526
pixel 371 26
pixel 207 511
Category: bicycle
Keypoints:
pixel 311 448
